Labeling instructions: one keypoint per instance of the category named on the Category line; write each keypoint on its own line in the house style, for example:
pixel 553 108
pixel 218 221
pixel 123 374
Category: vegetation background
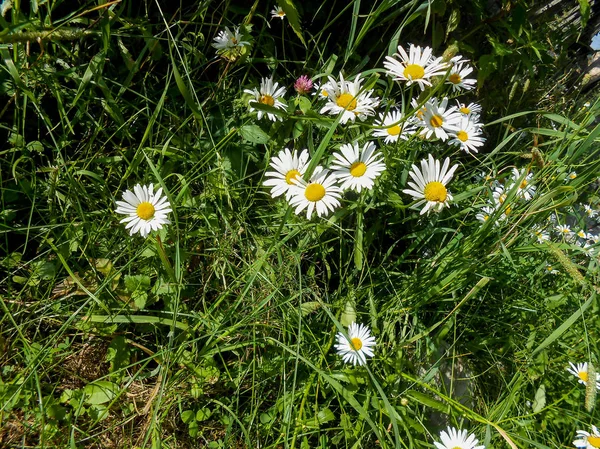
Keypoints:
pixel 219 333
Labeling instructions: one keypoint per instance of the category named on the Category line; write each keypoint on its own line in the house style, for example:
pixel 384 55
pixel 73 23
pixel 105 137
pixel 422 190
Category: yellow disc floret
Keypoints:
pixel 435 191
pixel 291 175
pixel 594 440
pixel 436 121
pixel 394 130
pixel 267 99
pixel 455 78
pixel 358 169
pixel 583 375
pixel 356 343
pixel 145 210
pixel 314 192
pixel 414 72
pixel 462 136
pixel 346 101
pixel 465 110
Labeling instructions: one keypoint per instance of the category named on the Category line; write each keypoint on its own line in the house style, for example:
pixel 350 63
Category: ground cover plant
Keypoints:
pixel 296 225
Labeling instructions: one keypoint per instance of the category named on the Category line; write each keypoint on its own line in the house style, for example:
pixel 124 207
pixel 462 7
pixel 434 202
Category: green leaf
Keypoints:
pixel 499 48
pixel 309 307
pixel 291 14
pixel 117 354
pixel 304 104
pixel 139 281
pixel 188 416
pixel 349 315
pixel 140 299
pixel 100 392
pixel 584 9
pixel 254 134
pixel 487 64
pixel 203 414
pixel 540 399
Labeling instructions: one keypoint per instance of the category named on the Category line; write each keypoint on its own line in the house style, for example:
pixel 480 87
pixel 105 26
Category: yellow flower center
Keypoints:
pixel 346 101
pixel 356 343
pixel 394 130
pixel 435 191
pixel 436 121
pixel 455 78
pixel 462 136
pixel 281 13
pixel 324 93
pixel 145 210
pixel 457 447
pixel 291 175
pixel 314 192
pixel 594 440
pixel 358 169
pixel 465 110
pixel 267 99
pixel 583 375
pixel 523 184
pixel 414 72
pixel 573 175
pixel 507 211
pixel 234 41
pixel 486 217
pixel 502 198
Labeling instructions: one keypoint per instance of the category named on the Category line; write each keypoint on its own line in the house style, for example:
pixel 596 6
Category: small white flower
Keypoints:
pixel 146 211
pixel 470 109
pixel 571 176
pixel 438 119
pixel 457 439
pixel 277 11
pixel 355 168
pixel 541 235
pixel 429 186
pixel 321 89
pixel 458 77
pixel 485 214
pixel 526 189
pixel 289 167
pixel 581 372
pixel 227 40
pixel 589 250
pixel 591 213
pixel 416 67
pixel 269 94
pixel 467 136
pixel 394 127
pixel 320 193
pixel 500 196
pixel 581 234
pixel 550 269
pixel 357 346
pixel 594 238
pixel 345 97
pixel 587 440
pixel 564 230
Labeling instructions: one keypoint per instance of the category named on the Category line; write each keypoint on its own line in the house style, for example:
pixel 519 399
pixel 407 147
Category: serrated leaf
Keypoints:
pixel 104 266
pixel 139 281
pixel 540 399
pixel 309 307
pixel 291 14
pixel 254 134
pixel 100 392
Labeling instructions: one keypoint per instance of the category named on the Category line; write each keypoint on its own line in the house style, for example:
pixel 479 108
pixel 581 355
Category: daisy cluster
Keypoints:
pixel 586 440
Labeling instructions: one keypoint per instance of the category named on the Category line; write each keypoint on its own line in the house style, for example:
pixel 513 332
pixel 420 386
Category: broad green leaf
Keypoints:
pixel 254 134
pixel 309 307
pixel 540 399
pixel 100 392
pixel 584 9
pixel 349 315
pixel 139 281
pixel 291 14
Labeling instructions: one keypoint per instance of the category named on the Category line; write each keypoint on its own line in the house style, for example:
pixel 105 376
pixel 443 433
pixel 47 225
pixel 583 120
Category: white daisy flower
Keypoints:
pixel 571 176
pixel 526 189
pixel 438 119
pixel 499 194
pixel 458 77
pixel 485 213
pixel 269 94
pixel 289 167
pixel 276 12
pixel 418 66
pixel 227 40
pixel 146 211
pixel 467 136
pixel 589 211
pixel 564 230
pixel 320 193
pixel 581 234
pixel 357 346
pixel 429 184
pixel 457 439
pixel 587 440
pixel 541 235
pixel 345 97
pixel 321 89
pixel 470 109
pixel 589 250
pixel 355 168
pixel 594 238
pixel 550 269
pixel 581 372
pixel 394 127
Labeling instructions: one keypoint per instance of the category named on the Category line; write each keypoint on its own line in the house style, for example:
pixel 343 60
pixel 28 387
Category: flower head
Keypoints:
pixel 591 213
pixel 269 94
pixel 357 346
pixel 395 127
pixel 581 372
pixel 526 188
pixel 228 40
pixel 355 168
pixel 541 235
pixel 146 210
pixel 469 109
pixel 587 440
pixel 320 192
pixel 453 438
pixel 345 97
pixel 467 136
pixel 458 77
pixel 438 119
pixel 277 11
pixel 564 230
pixel 485 213
pixel 429 186
pixel 303 85
pixel 417 66
pixel 289 166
